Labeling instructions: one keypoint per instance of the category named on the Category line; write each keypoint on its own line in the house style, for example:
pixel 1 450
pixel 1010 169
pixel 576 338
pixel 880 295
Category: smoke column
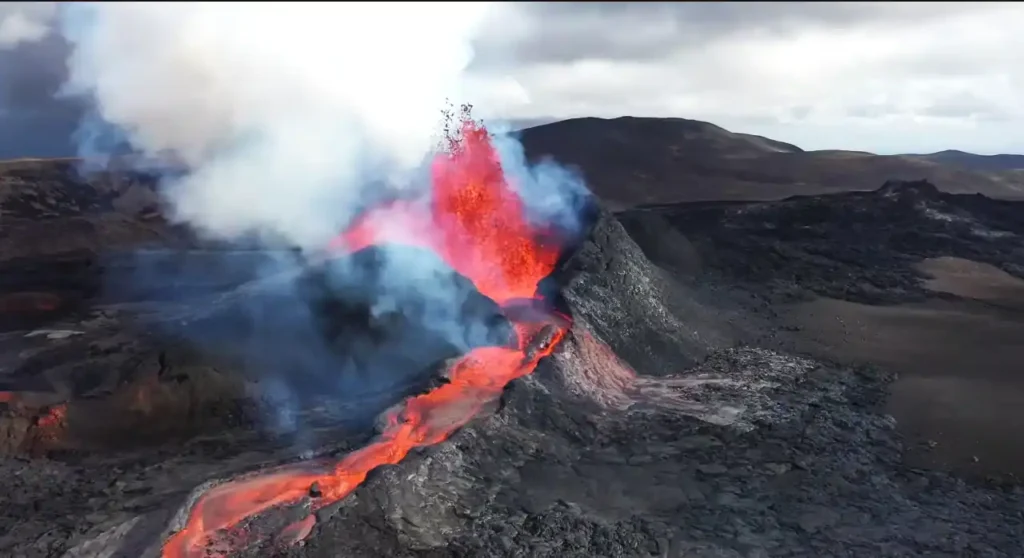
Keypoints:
pixel 22 22
pixel 284 121
pixel 285 114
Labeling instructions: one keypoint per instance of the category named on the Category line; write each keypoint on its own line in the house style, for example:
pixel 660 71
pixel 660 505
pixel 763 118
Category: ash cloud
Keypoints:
pixel 34 122
pixel 282 122
pixel 285 114
pixel 22 22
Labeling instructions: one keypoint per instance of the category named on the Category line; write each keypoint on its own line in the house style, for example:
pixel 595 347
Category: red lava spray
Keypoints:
pixel 477 224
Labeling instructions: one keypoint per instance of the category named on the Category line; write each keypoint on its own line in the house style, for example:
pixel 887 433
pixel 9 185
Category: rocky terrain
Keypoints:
pixel 924 283
pixel 816 376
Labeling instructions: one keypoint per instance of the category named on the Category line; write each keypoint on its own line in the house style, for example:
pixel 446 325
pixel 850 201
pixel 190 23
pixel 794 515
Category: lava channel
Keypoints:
pixel 477 224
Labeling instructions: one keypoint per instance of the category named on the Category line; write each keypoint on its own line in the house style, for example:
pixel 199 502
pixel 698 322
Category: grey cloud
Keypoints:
pixel 671 59
pixel 34 122
pixel 799 70
pixel 963 105
pixel 31 74
pixel 560 32
pixel 800 112
pixel 966 105
pixel 22 22
pixel 872 110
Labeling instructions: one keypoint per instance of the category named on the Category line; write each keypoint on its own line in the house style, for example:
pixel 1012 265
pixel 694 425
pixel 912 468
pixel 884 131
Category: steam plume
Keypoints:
pixel 288 118
pixel 24 22
pixel 283 113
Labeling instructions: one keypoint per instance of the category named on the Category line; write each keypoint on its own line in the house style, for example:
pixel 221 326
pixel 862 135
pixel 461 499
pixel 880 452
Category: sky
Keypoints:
pixel 873 76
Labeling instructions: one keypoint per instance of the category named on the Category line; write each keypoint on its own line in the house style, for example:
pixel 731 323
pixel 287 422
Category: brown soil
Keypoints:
pixel 974 280
pixel 960 363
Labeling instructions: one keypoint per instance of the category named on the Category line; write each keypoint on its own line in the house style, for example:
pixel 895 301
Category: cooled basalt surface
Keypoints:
pixel 922 283
pixel 676 418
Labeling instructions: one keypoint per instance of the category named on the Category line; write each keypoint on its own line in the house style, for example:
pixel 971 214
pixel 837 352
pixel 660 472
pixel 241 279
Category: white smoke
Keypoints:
pixel 283 112
pixel 22 22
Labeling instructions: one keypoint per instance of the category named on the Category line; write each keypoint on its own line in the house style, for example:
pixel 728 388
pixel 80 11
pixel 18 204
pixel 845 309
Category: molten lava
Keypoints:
pixel 474 222
pixel 477 224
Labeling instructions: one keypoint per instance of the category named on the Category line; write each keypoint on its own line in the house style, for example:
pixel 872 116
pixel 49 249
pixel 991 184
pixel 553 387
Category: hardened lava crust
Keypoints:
pixel 688 411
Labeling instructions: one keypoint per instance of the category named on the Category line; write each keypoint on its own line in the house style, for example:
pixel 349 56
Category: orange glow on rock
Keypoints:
pixel 477 224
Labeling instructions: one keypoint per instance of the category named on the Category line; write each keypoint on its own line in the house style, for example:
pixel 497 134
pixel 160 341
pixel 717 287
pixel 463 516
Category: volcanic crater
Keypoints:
pixel 673 382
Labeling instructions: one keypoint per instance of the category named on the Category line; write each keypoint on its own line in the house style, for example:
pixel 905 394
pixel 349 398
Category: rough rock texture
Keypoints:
pixel 858 246
pixel 648 318
pixel 688 437
pixel 811 466
pixel 923 283
pixel 115 385
pixel 819 475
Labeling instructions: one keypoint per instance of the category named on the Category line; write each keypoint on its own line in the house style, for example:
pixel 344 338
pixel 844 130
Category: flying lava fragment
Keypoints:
pixel 476 223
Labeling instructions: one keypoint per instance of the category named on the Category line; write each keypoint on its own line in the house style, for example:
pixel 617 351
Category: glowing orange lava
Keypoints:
pixel 476 223
pixel 55 416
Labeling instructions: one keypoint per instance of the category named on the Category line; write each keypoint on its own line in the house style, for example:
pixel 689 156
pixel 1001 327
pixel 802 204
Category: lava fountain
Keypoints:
pixel 476 223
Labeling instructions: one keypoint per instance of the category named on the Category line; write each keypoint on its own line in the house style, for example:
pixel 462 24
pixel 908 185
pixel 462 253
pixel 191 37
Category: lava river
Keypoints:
pixel 475 222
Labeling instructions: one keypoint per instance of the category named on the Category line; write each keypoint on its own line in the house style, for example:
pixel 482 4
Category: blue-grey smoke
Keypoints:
pixel 553 194
pixel 352 336
pixel 98 142
pixel 284 122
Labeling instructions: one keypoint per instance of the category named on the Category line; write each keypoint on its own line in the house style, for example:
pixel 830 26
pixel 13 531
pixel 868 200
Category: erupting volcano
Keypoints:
pixel 476 222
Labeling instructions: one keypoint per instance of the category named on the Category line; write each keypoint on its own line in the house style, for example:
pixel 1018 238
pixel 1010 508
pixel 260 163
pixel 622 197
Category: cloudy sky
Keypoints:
pixel 882 77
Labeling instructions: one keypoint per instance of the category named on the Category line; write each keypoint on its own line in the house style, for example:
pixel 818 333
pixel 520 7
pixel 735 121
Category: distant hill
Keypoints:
pixel 630 161
pixel 972 161
pixel 626 161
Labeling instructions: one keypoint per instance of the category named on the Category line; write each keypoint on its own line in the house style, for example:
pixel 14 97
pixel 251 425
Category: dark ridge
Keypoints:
pixel 630 162
pixel 831 245
pixel 973 161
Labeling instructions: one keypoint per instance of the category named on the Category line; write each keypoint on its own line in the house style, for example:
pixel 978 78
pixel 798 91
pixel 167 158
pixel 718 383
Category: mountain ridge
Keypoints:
pixel 630 161
pixel 945 154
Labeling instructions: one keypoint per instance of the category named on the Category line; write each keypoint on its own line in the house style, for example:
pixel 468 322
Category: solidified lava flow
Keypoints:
pixel 477 224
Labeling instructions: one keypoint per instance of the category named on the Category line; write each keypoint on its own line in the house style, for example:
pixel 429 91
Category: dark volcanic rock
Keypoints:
pixel 928 284
pixel 653 321
pixel 819 475
pixel 858 246
pixel 59 223
pixel 807 464
pixel 686 438
pixel 630 161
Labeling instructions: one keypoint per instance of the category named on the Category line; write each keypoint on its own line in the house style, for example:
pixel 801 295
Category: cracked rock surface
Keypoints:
pixel 676 419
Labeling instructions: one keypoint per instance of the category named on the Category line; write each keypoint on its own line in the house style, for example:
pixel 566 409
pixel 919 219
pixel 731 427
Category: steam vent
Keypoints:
pixel 670 380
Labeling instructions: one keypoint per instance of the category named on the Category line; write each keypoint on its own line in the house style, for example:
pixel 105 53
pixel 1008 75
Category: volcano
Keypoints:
pixel 476 224
pixel 807 376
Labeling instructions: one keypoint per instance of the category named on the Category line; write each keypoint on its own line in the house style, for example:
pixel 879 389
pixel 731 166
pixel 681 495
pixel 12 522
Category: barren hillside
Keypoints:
pixel 630 161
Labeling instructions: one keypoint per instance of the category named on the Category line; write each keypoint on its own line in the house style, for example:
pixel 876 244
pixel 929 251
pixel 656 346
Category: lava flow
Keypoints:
pixel 477 224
